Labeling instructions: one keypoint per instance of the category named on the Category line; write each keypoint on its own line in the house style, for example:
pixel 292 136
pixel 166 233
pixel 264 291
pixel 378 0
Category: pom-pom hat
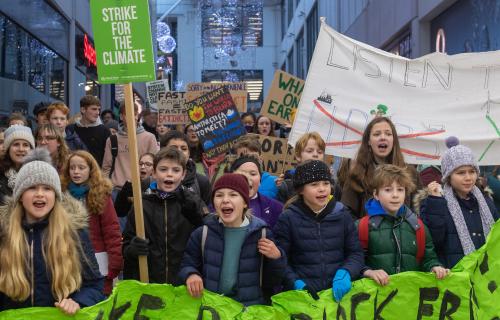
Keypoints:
pixel 456 156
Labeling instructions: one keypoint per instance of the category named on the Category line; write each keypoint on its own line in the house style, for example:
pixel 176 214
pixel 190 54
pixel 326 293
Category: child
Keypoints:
pixel 262 207
pixel 234 253
pixel 171 213
pixel 394 238
pixel 83 179
pixel 318 235
pixel 459 216
pixel 50 137
pixel 47 258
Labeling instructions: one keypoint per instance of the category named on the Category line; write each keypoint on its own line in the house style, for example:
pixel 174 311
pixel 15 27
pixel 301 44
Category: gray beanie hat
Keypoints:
pixel 456 156
pixel 37 169
pixel 18 132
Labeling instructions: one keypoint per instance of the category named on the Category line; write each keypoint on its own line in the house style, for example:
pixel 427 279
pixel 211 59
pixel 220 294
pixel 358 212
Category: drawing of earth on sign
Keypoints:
pixel 208 144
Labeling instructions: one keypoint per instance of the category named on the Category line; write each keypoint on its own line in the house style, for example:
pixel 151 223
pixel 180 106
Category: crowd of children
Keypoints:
pixel 67 225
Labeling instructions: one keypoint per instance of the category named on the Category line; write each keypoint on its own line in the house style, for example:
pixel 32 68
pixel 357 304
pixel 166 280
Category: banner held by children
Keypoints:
pixel 274 151
pixel 468 292
pixel 238 91
pixel 428 99
pixel 216 121
pixel 172 108
pixel 153 91
pixel 283 98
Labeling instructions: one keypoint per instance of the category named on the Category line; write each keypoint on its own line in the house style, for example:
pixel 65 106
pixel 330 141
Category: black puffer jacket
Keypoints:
pixel 196 182
pixel 168 223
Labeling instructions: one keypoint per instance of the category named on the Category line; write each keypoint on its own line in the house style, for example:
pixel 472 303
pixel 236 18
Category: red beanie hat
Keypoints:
pixel 233 181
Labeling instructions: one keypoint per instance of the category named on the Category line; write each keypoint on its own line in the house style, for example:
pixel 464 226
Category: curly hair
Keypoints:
pixel 99 187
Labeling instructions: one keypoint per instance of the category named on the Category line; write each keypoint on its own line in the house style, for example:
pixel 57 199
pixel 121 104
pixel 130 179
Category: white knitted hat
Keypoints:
pixel 456 156
pixel 18 132
pixel 37 169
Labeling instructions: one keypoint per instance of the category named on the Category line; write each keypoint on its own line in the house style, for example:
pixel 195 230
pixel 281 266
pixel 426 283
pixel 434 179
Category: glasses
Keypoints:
pixel 147 164
pixel 46 138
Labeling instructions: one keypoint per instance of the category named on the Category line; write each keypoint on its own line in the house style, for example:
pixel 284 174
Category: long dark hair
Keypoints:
pixel 364 165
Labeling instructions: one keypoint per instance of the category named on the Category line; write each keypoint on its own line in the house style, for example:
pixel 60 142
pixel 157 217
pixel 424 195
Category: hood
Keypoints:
pixel 95 124
pixel 374 208
pixel 419 196
pixel 123 132
pixel 75 209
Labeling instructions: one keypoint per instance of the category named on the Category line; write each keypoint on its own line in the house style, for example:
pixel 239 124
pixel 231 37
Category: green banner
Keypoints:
pixel 469 292
pixel 123 43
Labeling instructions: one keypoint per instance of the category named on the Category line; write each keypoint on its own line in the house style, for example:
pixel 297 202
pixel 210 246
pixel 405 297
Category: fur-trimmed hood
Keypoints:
pixel 419 196
pixel 76 210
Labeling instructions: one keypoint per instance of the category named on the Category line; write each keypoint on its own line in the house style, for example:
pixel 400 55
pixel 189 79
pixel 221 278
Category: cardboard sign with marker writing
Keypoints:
pixel 172 108
pixel 238 92
pixel 153 91
pixel 273 154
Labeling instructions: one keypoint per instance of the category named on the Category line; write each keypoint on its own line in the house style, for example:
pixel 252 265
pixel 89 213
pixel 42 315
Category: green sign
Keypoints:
pixel 123 42
pixel 469 292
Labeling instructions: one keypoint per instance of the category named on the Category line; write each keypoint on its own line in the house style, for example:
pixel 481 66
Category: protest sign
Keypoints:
pixel 154 89
pixel 275 151
pixel 238 91
pixel 428 99
pixel 283 98
pixel 216 121
pixel 469 292
pixel 123 41
pixel 172 108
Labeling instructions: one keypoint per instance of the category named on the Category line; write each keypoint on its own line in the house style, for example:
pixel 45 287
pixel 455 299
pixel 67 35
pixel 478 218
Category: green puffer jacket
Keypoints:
pixel 392 244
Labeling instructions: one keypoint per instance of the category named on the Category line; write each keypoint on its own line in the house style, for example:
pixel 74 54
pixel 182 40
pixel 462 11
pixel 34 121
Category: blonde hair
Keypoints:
pixel 99 187
pixel 62 151
pixel 61 253
pixel 301 144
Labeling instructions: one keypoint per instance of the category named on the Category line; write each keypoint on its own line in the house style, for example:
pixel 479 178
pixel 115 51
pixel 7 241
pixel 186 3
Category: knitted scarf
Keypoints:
pixel 11 175
pixel 458 217
pixel 78 191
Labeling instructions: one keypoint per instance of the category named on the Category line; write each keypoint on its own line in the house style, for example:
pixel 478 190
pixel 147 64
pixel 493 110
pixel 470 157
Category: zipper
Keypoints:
pixel 398 244
pixel 166 240
pixel 321 255
pixel 32 271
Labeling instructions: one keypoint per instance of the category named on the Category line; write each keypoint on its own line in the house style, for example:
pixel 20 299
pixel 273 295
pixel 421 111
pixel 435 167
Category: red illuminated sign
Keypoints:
pixel 89 52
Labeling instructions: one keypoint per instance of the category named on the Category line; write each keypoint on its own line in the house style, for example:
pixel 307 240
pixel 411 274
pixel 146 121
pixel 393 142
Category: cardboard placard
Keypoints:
pixel 172 108
pixel 275 151
pixel 153 91
pixel 238 91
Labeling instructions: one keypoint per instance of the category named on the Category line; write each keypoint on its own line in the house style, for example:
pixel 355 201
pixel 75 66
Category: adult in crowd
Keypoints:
pixel 379 145
pixel 107 115
pixel 195 147
pixel 83 179
pixel 58 114
pixel 458 215
pixel 50 137
pixel 39 112
pixel 264 126
pixel 150 121
pixel 47 258
pixel 112 126
pixel 18 141
pixel 17 118
pixel 249 120
pixel 193 181
pixel 262 207
pixel 90 128
pixel 118 167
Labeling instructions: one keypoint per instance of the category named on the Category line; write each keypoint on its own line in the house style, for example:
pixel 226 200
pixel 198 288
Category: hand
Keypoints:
pixel 379 276
pixel 68 306
pixel 435 189
pixel 299 285
pixel 194 285
pixel 280 180
pixel 440 272
pixel 269 249
pixel 137 247
pixel 341 284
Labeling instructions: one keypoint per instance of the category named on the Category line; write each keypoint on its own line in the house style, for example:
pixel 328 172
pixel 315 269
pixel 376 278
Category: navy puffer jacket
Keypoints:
pixel 208 265
pixel 318 245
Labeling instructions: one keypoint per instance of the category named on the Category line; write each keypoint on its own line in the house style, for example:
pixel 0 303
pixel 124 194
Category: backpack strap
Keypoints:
pixel 420 235
pixel 363 233
pixel 204 233
pixel 114 152
pixel 262 236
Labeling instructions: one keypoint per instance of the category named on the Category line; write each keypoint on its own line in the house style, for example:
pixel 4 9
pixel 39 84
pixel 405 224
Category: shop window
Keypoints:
pixel 401 46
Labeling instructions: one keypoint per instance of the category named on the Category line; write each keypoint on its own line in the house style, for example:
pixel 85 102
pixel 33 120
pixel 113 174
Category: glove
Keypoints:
pixel 137 247
pixel 341 284
pixel 299 285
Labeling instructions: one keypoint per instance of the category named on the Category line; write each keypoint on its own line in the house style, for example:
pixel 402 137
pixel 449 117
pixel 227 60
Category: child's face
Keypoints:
pixel 146 167
pixel 181 145
pixel 18 150
pixel 168 175
pixel 463 179
pixel 162 129
pixel 250 170
pixel 248 121
pixel 311 152
pixel 381 140
pixel 391 197
pixel 316 194
pixel 264 126
pixel 79 170
pixel 59 119
pixel 191 134
pixel 48 140
pixel 229 205
pixel 38 201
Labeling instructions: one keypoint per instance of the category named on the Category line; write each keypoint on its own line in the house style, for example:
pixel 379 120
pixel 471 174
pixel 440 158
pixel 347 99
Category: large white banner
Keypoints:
pixel 428 99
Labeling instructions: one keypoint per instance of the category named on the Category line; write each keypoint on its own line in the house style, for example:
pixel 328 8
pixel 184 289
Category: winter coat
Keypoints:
pixel 92 136
pixel 90 291
pixel 392 242
pixel 208 265
pixel 437 217
pixel 73 141
pixel 124 199
pixel 197 183
pixel 266 209
pixel 318 245
pixel 182 211
pixel 5 190
pixel 268 186
pixel 106 237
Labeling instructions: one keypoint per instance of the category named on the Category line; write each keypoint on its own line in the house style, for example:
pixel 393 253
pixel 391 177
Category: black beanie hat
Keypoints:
pixel 311 171
pixel 242 160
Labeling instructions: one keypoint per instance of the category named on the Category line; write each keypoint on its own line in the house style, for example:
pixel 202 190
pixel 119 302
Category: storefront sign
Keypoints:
pixel 89 52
